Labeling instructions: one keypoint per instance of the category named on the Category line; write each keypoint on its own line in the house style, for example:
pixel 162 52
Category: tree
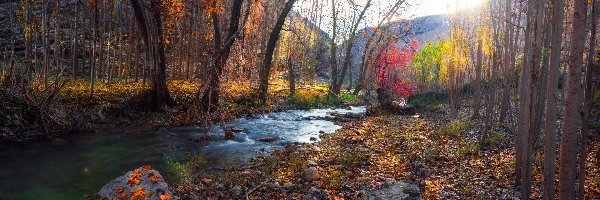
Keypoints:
pixel 587 98
pixel 265 70
pixel 568 144
pixel 550 125
pixel 348 54
pixel 209 99
pixel 390 71
pixel 333 48
pixel 153 37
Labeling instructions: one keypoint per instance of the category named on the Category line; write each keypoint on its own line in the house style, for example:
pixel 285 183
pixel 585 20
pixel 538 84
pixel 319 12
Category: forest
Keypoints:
pixel 299 99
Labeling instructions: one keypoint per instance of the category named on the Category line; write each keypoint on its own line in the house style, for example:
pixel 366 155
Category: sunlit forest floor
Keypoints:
pixel 435 150
pixel 74 110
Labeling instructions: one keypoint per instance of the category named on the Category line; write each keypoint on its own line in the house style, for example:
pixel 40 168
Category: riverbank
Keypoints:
pixel 72 110
pixel 436 151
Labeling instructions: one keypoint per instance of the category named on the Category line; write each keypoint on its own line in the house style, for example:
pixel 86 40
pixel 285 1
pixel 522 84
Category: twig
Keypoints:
pixel 254 189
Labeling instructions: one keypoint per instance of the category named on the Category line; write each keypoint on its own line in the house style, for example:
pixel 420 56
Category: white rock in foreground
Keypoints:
pixel 142 182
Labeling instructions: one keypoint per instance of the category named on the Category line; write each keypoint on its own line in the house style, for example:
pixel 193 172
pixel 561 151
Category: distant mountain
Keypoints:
pixel 427 29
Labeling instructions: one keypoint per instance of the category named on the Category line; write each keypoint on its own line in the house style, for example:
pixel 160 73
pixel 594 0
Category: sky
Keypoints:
pixel 410 9
pixel 432 7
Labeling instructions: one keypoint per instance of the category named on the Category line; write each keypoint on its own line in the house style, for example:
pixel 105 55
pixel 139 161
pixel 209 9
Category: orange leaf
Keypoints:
pixel 165 196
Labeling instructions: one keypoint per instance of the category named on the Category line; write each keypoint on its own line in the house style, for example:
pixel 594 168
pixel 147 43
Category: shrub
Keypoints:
pixel 430 100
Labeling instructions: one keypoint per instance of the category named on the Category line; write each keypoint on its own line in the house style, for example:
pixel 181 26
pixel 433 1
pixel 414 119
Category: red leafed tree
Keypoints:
pixel 390 69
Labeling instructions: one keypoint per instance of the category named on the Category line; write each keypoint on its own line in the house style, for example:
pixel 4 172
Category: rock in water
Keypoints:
pixel 237 130
pixel 311 174
pixel 143 182
pixel 229 135
pixel 268 139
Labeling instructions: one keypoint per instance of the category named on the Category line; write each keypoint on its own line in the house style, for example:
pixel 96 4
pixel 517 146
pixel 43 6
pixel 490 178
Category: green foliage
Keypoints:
pixel 429 100
pixel 298 163
pixel 332 179
pixel 308 99
pixel 349 97
pixel 452 129
pixel 427 63
pixel 250 100
pixel 184 172
pixel 466 148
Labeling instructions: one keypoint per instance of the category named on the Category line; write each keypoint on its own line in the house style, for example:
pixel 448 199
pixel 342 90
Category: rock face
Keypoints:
pixel 142 182
pixel 398 191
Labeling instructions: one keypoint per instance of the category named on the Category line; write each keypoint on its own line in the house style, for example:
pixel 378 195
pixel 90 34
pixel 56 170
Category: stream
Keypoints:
pixel 70 167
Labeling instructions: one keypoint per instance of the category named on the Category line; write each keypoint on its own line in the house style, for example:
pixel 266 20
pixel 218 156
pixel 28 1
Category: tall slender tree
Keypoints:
pixel 568 144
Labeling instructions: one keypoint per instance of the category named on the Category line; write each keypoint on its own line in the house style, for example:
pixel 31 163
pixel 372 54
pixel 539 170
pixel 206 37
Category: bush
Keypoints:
pixel 430 100
pixel 308 99
pixel 452 129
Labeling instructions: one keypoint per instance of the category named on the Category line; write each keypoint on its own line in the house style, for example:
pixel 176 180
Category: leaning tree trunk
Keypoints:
pixel 265 70
pixel 210 98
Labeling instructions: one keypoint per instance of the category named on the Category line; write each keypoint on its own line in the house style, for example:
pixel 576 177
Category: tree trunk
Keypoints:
pixel 587 99
pixel 265 70
pixel 349 46
pixel 568 145
pixel 334 67
pixel 477 85
pixel 153 38
pixel 550 124
pixel 210 98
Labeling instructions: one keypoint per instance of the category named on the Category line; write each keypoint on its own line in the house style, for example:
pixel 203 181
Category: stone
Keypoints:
pixel 237 190
pixel 313 139
pixel 389 182
pixel 275 185
pixel 268 139
pixel 206 180
pixel 316 148
pixel 236 129
pixel 314 193
pixel 288 186
pixel 312 163
pixel 362 179
pixel 399 190
pixel 311 174
pixel 143 178
pixel 321 131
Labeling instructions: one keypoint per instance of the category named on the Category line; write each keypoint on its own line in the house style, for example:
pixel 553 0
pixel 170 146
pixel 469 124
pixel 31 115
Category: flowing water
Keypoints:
pixel 71 167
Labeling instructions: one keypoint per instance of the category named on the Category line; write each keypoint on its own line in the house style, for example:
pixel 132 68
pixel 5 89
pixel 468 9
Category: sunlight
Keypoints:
pixel 434 7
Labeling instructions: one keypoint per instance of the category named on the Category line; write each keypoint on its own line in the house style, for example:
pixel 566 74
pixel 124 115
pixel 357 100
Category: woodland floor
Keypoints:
pixel 434 150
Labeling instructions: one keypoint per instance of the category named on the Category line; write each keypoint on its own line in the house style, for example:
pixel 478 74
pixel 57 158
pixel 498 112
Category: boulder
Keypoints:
pixel 397 191
pixel 143 182
pixel 311 174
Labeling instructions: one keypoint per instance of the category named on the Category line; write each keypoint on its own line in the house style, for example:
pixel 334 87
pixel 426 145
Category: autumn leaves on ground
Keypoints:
pixel 441 153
